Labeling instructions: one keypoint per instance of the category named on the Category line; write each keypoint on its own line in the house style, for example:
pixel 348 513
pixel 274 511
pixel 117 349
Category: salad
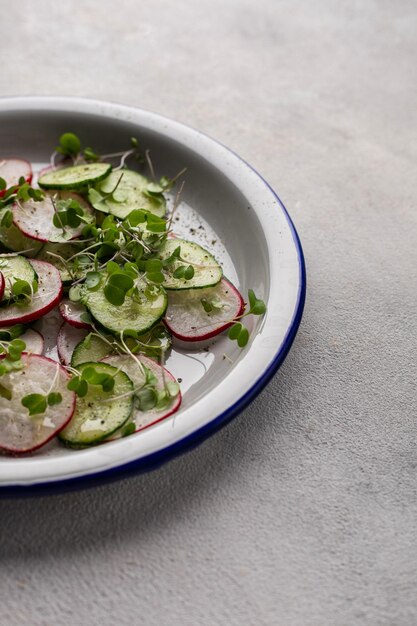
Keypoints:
pixel 90 237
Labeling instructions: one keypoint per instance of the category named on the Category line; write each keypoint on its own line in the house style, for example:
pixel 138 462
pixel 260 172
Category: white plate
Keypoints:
pixel 242 221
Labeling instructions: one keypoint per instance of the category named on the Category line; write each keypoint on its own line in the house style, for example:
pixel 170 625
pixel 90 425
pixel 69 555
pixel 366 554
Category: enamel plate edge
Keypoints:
pixel 284 286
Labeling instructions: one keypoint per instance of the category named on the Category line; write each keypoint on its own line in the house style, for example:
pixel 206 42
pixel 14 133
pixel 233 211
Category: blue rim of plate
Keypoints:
pixel 168 453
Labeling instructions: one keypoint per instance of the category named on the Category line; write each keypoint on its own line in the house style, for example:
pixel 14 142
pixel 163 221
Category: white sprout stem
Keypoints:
pixel 130 353
pixel 54 379
pixel 150 164
pixel 176 204
pixel 52 159
pixel 123 160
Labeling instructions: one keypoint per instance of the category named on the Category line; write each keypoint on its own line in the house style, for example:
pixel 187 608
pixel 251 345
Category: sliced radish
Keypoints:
pixel 187 319
pixel 34 341
pixel 145 419
pixel 41 172
pixel 2 285
pixel 14 169
pixel 68 338
pixel 35 219
pixel 20 432
pixel 48 295
pixel 72 312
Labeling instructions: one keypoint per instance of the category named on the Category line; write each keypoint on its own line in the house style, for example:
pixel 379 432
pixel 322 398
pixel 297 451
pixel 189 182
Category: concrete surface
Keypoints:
pixel 303 511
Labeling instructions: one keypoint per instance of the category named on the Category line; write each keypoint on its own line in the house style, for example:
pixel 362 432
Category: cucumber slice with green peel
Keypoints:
pixel 61 255
pixel 129 316
pixel 92 348
pixel 15 267
pixel 75 177
pixel 124 191
pixel 153 343
pixel 207 272
pixel 35 219
pixel 99 413
pixel 145 419
pixel 13 239
pixel 19 431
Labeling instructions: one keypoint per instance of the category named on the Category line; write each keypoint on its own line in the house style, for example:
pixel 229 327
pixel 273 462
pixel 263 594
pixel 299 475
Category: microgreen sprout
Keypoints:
pixel 81 381
pixel 22 192
pixel 238 332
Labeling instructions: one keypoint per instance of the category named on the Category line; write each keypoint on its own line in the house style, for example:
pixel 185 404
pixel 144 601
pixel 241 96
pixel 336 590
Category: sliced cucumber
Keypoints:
pixel 13 239
pixel 60 255
pixel 145 419
pixel 124 191
pixel 74 177
pixel 153 343
pixel 207 272
pixel 99 413
pixel 14 268
pixel 131 315
pixel 92 348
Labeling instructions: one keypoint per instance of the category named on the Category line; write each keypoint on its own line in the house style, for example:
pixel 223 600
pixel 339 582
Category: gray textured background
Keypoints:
pixel 302 512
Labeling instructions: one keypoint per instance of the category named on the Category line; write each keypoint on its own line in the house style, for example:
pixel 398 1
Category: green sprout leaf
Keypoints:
pixel 35 403
pixel 79 385
pixel 129 429
pixel 69 145
pixel 6 219
pixel 257 306
pixel 5 392
pixel 147 398
pixel 3 184
pixel 90 155
pixel 234 331
pixel 243 337
pixel 54 398
pixel 93 280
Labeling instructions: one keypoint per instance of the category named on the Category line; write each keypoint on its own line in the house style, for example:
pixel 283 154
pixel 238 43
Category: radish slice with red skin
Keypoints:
pixel 71 313
pixel 19 432
pixel 14 169
pixel 2 285
pixel 35 219
pixel 34 341
pixel 68 338
pixel 187 320
pixel 144 419
pixel 48 295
